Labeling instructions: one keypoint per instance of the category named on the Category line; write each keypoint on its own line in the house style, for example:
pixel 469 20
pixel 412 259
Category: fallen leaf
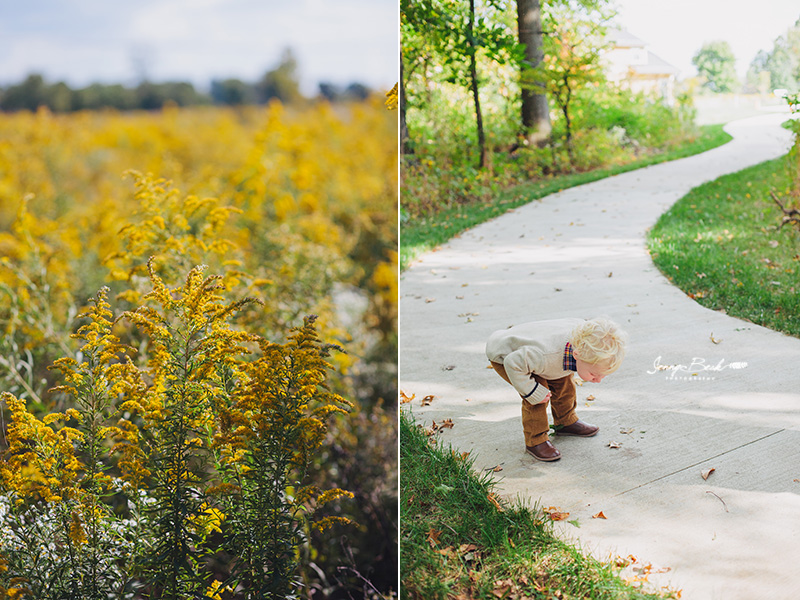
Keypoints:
pixel 405 398
pixel 773 243
pixel 433 537
pixel 626 431
pixel 502 588
pixel 555 514
pixel 446 424
pixel 610 273
pixel 448 367
pixel 714 340
pixel 457 456
pixel 707 472
pixel 493 499
pixel 590 398
pixel 614 445
pixel 464 548
pixel 429 300
pixel 427 399
pixel 599 515
pixel 496 469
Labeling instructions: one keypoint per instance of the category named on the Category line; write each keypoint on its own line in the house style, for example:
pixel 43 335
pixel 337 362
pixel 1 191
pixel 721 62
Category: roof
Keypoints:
pixel 622 38
pixel 655 66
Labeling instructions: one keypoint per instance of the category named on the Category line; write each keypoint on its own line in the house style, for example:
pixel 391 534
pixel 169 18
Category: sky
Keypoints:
pixel 120 41
pixel 676 29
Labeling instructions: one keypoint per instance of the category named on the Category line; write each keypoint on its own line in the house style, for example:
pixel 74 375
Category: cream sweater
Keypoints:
pixel 536 347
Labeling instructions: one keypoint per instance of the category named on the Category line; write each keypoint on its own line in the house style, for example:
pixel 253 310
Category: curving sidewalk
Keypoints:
pixel 581 252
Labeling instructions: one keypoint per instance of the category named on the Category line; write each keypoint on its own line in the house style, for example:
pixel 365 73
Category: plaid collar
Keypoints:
pixel 569 360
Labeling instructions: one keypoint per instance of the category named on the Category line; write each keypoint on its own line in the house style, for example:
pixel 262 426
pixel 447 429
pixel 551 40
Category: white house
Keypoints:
pixel 631 65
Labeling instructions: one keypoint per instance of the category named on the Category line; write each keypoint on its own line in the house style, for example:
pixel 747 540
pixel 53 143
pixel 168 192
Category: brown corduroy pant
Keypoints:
pixel 563 402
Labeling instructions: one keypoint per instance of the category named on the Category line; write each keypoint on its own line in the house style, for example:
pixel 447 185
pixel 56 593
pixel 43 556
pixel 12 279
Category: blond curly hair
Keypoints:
pixel 599 341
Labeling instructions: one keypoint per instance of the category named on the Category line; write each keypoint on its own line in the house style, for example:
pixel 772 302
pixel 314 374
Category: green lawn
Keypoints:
pixel 723 245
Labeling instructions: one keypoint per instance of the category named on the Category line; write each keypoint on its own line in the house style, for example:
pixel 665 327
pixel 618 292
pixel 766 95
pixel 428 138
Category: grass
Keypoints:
pixel 722 244
pixel 460 541
pixel 420 235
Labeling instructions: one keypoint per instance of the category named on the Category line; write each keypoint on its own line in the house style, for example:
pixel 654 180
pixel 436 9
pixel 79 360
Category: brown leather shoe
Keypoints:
pixel 578 428
pixel 544 451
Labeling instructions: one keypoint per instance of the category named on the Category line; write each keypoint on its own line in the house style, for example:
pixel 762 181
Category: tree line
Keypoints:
pixel 554 47
pixel 281 83
pixel 773 69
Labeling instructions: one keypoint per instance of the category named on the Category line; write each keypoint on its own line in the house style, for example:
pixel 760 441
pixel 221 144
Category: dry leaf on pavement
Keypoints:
pixel 428 399
pixel 555 514
pixel 599 515
pixel 405 398
pixel 614 445
pixel 707 472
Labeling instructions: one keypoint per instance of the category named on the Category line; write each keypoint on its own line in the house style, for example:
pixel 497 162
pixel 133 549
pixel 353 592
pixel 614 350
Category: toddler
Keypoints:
pixel 539 360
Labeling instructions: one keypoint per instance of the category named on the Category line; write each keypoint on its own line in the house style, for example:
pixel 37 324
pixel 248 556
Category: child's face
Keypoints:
pixel 593 373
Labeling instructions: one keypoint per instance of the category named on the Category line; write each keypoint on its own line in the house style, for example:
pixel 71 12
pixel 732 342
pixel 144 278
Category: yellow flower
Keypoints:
pixel 391 98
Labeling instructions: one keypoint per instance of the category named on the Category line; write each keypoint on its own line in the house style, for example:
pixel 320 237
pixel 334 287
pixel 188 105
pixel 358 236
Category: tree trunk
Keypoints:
pixel 535 113
pixel 405 142
pixel 473 74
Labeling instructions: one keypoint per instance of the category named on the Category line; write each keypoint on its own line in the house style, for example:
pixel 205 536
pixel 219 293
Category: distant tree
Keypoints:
pixel 281 82
pixel 232 92
pixel 757 78
pixel 717 64
pixel 330 91
pixel 149 96
pixel 357 91
pixel 28 95
pixel 104 96
pixel 59 97
pixel 784 60
pixel 182 93
pixel 780 66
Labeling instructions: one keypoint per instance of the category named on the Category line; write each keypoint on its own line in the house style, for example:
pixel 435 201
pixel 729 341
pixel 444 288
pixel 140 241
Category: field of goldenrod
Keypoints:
pixel 105 219
pixel 293 205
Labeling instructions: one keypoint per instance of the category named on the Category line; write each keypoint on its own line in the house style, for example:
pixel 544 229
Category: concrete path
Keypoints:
pixel 581 253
